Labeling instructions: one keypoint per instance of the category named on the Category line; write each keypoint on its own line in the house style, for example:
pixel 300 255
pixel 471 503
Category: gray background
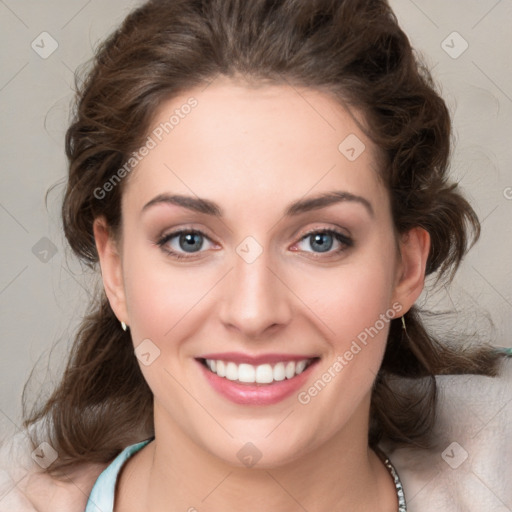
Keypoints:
pixel 44 291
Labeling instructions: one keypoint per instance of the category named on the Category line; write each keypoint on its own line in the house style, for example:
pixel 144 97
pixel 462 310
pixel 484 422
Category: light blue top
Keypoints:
pixel 102 495
pixel 101 498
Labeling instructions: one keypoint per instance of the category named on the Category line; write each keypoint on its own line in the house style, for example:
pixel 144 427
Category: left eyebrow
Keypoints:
pixel 208 207
pixel 324 200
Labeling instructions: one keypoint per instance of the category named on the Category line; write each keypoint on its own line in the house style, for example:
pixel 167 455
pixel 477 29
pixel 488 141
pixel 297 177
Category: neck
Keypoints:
pixel 175 474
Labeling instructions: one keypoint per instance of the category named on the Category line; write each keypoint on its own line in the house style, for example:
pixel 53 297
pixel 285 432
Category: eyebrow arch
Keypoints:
pixel 324 200
pixel 296 208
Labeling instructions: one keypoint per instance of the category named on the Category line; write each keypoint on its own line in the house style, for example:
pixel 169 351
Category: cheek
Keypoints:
pixel 354 312
pixel 159 295
pixel 162 301
pixel 348 299
pixel 353 309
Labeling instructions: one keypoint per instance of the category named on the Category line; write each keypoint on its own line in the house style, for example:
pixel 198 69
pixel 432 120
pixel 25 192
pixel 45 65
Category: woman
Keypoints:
pixel 264 186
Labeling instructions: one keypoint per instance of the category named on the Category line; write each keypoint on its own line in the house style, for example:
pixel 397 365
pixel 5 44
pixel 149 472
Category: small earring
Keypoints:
pixel 403 323
pixel 123 326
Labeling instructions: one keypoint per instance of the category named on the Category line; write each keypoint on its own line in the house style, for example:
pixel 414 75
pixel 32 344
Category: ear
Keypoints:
pixel 111 268
pixel 410 277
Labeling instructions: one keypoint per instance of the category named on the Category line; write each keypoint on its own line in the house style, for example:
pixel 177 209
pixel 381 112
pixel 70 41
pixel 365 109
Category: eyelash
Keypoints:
pixel 345 241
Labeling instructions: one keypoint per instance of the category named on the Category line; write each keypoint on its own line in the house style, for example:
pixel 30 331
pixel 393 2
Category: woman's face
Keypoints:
pixel 286 273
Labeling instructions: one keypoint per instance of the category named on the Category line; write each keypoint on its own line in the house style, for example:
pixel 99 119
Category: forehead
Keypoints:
pixel 267 143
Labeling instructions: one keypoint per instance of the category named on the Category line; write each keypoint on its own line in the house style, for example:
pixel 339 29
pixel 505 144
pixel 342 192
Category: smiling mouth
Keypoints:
pixel 262 374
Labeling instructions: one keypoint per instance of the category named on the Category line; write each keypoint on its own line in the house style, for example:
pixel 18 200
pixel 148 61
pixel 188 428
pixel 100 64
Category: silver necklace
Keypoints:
pixel 402 507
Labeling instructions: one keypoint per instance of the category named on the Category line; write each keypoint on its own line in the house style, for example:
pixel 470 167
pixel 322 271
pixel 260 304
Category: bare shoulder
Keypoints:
pixel 26 487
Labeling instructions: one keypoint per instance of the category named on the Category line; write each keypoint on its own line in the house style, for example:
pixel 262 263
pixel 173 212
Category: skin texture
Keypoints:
pixel 253 151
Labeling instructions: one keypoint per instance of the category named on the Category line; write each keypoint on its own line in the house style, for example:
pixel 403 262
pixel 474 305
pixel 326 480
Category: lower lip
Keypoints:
pixel 256 394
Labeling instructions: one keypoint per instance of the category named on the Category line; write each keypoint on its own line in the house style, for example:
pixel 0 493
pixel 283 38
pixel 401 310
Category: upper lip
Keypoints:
pixel 240 358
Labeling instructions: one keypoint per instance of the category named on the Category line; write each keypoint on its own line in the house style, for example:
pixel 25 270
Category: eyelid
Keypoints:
pixel 325 229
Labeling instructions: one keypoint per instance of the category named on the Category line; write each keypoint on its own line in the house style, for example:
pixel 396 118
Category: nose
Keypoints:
pixel 256 300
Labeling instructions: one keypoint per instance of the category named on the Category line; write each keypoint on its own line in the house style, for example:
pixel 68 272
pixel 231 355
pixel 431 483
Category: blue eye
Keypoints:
pixel 185 241
pixel 322 241
pixel 190 242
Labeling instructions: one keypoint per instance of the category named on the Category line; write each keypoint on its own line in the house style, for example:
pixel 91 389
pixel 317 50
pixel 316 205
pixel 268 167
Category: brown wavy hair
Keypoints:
pixel 351 49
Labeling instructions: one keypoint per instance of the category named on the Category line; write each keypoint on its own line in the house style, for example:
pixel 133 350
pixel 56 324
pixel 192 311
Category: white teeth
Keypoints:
pixel 231 371
pixel 264 374
pixel 299 367
pixel 246 373
pixel 261 374
pixel 221 368
pixel 278 372
pixel 290 370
